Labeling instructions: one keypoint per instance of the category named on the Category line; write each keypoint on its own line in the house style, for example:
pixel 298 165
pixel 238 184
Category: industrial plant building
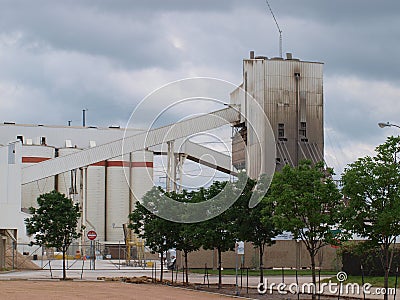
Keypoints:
pixel 289 91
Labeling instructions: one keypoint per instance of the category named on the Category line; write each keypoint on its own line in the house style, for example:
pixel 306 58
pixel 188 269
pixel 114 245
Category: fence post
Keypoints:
pixel 395 283
pixel 83 265
pixel 362 279
pixel 41 263
pixel 319 284
pixel 119 255
pixel 247 280
pixel 51 273
pixel 297 284
pixel 152 271
pixel 176 273
pixel 241 276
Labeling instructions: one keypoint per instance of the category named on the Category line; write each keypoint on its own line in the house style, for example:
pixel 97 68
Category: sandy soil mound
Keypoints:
pixel 21 262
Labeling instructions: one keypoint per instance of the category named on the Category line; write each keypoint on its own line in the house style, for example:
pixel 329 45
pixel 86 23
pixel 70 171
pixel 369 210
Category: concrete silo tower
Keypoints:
pixel 290 92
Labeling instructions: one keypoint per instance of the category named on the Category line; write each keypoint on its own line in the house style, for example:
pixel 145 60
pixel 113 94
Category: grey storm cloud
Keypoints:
pixel 59 57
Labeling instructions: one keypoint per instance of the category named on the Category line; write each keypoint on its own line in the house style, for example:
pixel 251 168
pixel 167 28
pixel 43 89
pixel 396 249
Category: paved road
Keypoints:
pixel 107 268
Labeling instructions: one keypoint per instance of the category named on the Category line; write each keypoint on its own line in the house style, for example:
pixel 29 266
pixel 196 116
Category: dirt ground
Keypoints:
pixel 59 290
pixel 252 293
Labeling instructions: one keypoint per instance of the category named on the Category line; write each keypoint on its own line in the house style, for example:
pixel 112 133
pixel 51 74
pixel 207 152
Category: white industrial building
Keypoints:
pixel 91 166
pixel 111 186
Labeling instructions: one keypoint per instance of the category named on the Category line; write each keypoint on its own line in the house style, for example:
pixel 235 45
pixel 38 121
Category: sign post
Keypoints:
pixel 239 247
pixel 92 235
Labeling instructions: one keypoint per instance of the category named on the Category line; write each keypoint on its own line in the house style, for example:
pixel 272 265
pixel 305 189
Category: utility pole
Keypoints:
pixel 84 117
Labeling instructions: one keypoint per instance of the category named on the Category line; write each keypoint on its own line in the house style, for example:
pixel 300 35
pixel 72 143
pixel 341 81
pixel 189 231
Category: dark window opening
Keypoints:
pixel 303 129
pixel 20 138
pixel 43 140
pixel 281 130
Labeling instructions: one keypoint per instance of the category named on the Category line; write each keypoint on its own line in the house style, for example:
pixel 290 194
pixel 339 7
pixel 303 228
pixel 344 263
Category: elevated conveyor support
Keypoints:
pixel 203 155
pixel 129 144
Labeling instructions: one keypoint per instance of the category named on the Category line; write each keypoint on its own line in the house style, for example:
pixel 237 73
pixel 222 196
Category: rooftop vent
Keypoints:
pixel 289 56
pixel 252 54
pixel 68 143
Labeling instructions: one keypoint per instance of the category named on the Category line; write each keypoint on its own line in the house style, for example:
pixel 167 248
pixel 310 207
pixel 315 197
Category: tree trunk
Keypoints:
pixel 64 271
pixel 261 250
pixel 314 281
pixel 162 266
pixel 386 269
pixel 186 266
pixel 219 267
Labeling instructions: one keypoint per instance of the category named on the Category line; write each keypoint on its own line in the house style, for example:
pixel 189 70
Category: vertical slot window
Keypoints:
pixel 281 132
pixel 303 129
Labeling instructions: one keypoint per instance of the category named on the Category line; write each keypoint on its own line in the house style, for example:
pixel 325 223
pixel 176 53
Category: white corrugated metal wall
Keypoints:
pixel 117 197
pixel 96 198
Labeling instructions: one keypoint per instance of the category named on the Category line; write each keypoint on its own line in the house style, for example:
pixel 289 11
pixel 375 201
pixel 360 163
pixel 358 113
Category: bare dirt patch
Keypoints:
pixel 59 290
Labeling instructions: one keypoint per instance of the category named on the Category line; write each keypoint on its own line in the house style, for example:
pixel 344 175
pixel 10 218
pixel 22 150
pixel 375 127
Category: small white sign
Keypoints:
pixel 240 248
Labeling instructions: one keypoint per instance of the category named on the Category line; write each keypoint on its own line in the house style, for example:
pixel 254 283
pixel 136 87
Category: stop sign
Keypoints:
pixel 92 235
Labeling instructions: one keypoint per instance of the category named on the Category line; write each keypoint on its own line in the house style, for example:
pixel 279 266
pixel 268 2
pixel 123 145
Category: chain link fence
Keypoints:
pixel 78 256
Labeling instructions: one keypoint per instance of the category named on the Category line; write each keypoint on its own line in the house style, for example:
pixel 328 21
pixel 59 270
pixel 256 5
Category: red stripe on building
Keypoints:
pixel 135 164
pixel 118 163
pixel 99 164
pixel 142 164
pixel 32 160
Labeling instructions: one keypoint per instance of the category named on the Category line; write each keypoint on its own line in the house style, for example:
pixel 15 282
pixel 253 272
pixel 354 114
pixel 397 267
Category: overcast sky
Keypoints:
pixel 59 57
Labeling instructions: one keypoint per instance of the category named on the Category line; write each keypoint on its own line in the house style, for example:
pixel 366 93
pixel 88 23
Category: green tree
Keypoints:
pixel 372 188
pixel 54 223
pixel 158 233
pixel 187 240
pixel 219 232
pixel 307 203
pixel 255 224
pixel 187 235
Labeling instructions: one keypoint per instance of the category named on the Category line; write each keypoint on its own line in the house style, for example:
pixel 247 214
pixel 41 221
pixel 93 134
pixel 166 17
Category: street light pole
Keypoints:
pixel 387 124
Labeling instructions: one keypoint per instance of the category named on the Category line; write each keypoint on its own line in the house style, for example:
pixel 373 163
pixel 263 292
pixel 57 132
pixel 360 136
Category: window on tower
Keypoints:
pixel 303 131
pixel 281 132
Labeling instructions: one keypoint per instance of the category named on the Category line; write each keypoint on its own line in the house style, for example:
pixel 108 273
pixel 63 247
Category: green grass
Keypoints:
pixel 374 281
pixel 267 272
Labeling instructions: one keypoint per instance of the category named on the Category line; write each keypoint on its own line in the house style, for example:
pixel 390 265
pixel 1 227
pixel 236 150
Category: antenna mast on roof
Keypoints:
pixel 279 29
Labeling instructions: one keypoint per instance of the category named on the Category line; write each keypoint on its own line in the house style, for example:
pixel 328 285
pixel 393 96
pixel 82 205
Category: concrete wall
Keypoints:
pixel 286 254
pixel 11 217
pixel 2 252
